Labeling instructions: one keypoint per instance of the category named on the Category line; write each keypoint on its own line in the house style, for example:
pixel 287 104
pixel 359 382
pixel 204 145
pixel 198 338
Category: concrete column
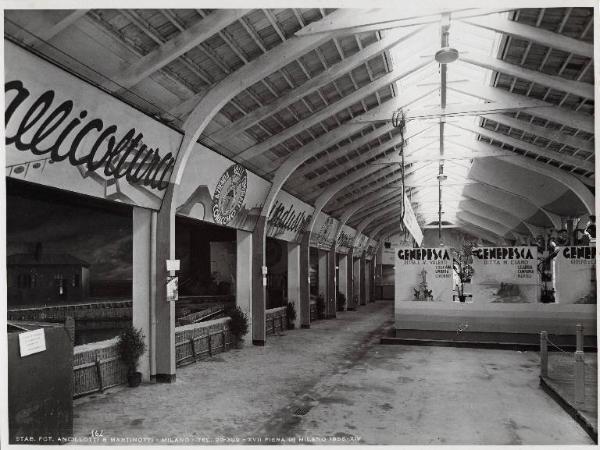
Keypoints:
pixel 243 275
pixel 368 296
pixel 343 271
pixel 363 280
pixel 351 288
pixel 142 284
pixel 322 271
pixel 331 286
pixel 372 267
pixel 304 319
pixel 259 282
pixel 164 338
pixel 293 277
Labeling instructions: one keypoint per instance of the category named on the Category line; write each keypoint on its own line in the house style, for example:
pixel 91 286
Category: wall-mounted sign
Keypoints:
pixel 173 265
pixel 345 239
pixel 323 233
pixel 505 275
pixel 575 275
pixel 217 190
pixel 423 275
pixel 65 133
pixel 288 218
pixel 172 289
pixel 31 342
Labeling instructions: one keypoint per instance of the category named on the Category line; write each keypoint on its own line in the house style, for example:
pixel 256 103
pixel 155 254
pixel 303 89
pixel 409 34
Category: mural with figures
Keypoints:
pixel 217 190
pixel 505 274
pixel 64 133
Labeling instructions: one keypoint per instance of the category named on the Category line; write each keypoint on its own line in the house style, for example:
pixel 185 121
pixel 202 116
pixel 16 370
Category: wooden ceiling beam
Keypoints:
pixel 526 146
pixel 557 83
pixel 332 109
pixel 179 45
pixel 548 111
pixel 543 132
pixel 324 78
pixel 371 153
pixel 47 33
pixel 535 34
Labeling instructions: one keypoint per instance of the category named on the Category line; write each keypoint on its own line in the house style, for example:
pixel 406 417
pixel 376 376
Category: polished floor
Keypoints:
pixel 334 384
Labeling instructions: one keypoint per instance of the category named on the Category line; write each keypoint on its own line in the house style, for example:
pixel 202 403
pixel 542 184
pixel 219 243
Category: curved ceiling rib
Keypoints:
pixel 305 97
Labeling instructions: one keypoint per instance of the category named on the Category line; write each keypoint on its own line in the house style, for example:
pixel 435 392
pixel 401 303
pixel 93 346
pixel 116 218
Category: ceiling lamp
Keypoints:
pixel 446 55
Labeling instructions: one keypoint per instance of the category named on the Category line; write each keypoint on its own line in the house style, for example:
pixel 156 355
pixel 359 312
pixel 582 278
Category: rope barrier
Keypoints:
pixel 556 346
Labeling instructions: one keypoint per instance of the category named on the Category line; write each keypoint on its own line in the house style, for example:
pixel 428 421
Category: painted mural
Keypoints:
pixel 505 274
pixel 288 218
pixel 217 190
pixel 64 133
pixel 423 275
pixel 345 239
pixel 323 234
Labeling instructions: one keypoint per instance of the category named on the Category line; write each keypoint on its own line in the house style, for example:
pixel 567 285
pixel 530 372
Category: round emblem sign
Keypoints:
pixel 229 194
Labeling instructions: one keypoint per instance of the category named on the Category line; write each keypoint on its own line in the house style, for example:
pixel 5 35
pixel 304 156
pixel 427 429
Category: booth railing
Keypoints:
pixel 97 366
pixel 548 371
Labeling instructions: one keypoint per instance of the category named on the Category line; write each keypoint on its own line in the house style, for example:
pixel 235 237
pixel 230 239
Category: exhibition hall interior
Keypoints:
pixel 300 225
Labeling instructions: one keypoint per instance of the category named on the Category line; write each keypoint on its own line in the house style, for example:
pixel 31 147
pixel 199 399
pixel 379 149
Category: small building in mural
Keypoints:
pixel 40 278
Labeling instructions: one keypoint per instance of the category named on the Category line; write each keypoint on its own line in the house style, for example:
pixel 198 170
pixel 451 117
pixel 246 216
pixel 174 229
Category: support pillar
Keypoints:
pixel 259 283
pixel 372 266
pixel 356 282
pixel 368 296
pixel 143 267
pixel 293 278
pixel 350 305
pixel 164 318
pixel 363 280
pixel 243 275
pixel 343 271
pixel 331 285
pixel 304 281
pixel 322 270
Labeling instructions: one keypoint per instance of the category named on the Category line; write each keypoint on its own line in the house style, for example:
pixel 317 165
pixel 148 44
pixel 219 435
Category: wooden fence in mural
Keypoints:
pixel 97 366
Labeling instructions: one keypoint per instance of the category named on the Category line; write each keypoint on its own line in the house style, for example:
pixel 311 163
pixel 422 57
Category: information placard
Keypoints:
pixel 31 342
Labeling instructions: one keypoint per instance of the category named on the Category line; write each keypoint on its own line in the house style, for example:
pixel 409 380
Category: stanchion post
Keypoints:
pixel 579 367
pixel 544 353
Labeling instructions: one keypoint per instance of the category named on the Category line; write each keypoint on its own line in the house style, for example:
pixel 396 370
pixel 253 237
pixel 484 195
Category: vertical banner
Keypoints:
pixel 505 275
pixel 575 275
pixel 423 274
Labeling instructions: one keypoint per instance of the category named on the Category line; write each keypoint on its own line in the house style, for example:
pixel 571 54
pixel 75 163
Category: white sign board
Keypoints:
pixel 31 342
pixel 575 275
pixel 172 264
pixel 288 218
pixel 505 275
pixel 423 274
pixel 65 133
pixel 172 289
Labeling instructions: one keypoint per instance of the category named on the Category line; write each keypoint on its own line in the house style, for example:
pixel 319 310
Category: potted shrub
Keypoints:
pixel 291 315
pixel 131 346
pixel 238 325
pixel 320 307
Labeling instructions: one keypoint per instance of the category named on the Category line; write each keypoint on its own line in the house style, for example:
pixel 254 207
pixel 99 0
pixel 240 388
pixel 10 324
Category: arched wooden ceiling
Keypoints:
pixel 302 86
